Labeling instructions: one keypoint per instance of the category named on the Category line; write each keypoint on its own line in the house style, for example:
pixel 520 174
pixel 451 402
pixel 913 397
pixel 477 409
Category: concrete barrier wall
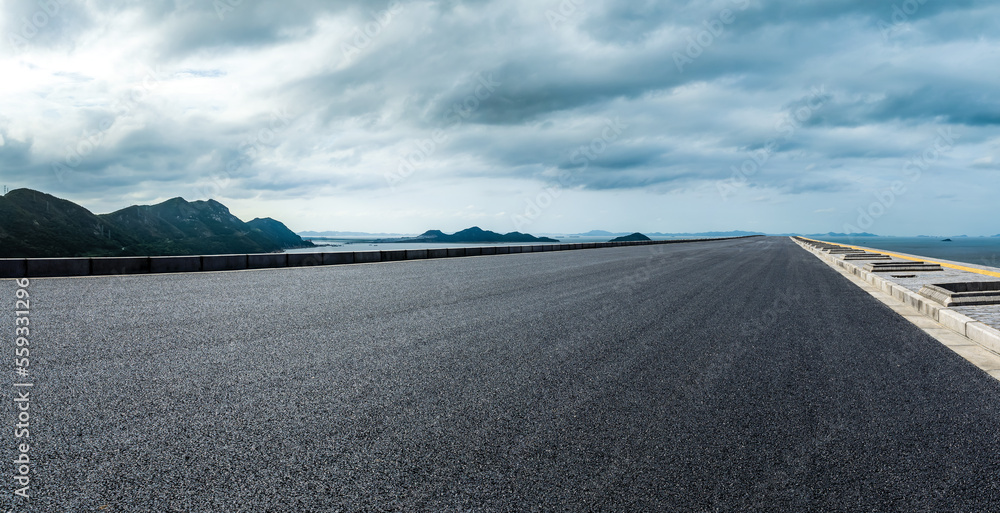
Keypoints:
pixel 84 266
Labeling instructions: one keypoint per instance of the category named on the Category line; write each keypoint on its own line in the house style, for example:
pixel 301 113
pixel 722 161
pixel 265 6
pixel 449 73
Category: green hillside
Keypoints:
pixel 35 224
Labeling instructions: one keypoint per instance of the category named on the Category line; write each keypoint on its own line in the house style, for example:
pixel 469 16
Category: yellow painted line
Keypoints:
pixel 904 257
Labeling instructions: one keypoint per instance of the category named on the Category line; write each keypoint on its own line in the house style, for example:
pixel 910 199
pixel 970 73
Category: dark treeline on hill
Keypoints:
pixel 474 234
pixel 35 224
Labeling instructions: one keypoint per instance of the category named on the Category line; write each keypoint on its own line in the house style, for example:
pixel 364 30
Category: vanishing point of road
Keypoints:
pixel 741 375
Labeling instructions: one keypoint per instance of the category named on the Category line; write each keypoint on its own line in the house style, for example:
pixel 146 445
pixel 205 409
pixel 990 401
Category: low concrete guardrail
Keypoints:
pixel 96 266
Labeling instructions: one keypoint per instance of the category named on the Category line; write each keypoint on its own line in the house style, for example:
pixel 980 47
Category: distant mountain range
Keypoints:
pixel 36 224
pixel 956 236
pixel 474 234
pixel 603 233
pixel 733 233
pixel 591 233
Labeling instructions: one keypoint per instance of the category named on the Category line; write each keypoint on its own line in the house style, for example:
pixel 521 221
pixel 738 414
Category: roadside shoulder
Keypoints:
pixel 973 340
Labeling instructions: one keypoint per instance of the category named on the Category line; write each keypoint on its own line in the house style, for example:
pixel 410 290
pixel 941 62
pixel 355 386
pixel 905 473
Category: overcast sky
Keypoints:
pixel 531 115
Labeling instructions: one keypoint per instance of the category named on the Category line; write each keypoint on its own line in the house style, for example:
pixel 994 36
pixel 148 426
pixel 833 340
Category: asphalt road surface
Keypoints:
pixel 741 375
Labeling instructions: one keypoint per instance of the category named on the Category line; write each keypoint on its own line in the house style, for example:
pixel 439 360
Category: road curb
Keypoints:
pixel 983 335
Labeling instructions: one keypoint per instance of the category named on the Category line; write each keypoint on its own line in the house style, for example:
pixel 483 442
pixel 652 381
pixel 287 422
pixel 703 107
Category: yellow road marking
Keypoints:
pixel 904 257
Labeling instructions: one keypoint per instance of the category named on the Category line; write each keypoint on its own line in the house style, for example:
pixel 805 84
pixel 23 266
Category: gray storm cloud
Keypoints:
pixel 119 102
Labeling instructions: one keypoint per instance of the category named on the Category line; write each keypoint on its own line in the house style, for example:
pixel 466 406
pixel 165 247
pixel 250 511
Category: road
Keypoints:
pixel 741 375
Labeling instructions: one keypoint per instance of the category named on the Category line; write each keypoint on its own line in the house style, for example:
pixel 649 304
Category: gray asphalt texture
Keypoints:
pixel 720 376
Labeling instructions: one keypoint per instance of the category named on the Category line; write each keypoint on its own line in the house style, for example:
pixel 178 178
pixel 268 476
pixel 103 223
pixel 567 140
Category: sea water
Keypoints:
pixel 349 244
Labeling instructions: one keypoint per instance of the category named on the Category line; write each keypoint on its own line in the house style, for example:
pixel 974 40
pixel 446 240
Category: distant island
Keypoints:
pixel 630 238
pixel 596 233
pixel 473 235
pixel 34 224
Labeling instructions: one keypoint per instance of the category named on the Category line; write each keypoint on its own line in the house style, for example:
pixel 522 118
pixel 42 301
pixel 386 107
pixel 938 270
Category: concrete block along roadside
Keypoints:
pixel 267 260
pixel 393 255
pixel 986 336
pixel 338 258
pixel 963 294
pixel 954 321
pixel 119 265
pixel 52 267
pixel 172 264
pixel 304 259
pixel 223 262
pixel 13 267
pixel 366 257
pixel 976 331
pixel 416 254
